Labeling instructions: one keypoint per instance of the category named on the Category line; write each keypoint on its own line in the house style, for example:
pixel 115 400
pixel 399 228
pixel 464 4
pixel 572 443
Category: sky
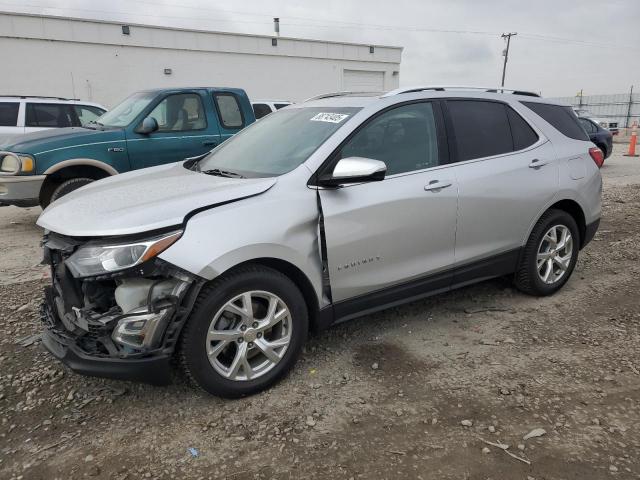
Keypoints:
pixel 562 46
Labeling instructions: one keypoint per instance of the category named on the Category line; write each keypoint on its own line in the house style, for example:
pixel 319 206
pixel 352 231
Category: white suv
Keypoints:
pixel 262 108
pixel 23 114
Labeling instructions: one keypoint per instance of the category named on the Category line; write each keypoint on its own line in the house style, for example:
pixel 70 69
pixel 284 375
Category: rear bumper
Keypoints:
pixel 20 190
pixel 590 232
pixel 155 370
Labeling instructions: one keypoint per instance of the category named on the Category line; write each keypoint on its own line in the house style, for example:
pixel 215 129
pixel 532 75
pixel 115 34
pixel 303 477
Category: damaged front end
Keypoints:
pixel 114 309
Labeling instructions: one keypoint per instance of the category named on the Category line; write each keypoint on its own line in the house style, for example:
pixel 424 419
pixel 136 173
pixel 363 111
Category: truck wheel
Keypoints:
pixel 550 254
pixel 67 186
pixel 245 332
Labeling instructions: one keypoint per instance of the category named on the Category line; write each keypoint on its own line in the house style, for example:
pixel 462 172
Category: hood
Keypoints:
pixel 55 138
pixel 143 200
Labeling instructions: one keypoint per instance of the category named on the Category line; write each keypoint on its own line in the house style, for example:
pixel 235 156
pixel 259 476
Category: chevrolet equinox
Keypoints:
pixel 327 210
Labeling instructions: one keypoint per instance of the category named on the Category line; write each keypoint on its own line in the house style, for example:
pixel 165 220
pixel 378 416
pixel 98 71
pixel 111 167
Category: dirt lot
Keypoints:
pixel 430 390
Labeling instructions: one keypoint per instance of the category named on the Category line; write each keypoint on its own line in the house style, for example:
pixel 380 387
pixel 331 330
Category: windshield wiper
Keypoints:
pixel 223 173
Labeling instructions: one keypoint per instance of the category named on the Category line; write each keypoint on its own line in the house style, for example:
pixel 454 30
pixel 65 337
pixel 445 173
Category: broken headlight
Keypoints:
pixel 100 258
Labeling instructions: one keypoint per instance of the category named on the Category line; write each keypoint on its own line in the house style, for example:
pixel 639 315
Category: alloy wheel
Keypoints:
pixel 249 335
pixel 554 254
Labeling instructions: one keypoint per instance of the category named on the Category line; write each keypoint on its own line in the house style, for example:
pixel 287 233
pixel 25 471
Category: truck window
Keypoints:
pixel 229 110
pixel 180 112
pixel 9 114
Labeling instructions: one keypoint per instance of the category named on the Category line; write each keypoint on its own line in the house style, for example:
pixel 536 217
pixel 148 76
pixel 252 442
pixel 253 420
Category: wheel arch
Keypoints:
pixel 574 209
pixel 82 163
pixel 294 274
pixel 75 168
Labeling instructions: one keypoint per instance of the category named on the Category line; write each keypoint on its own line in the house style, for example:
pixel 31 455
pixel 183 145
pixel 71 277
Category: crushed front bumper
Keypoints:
pixel 84 318
pixel 20 190
pixel 154 370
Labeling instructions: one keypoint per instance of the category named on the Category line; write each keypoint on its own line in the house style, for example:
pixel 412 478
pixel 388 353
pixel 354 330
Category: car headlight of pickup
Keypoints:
pixel 100 258
pixel 13 163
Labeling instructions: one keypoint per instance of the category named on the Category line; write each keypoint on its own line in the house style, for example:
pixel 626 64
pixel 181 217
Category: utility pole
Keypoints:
pixel 506 53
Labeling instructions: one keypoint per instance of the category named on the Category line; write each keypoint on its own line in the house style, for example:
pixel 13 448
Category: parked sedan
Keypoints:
pixel 321 212
pixel 599 136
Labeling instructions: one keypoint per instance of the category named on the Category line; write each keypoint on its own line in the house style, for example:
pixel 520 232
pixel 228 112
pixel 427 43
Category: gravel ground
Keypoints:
pixel 445 388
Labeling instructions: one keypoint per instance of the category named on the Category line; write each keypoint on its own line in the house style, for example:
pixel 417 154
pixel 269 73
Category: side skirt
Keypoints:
pixel 497 266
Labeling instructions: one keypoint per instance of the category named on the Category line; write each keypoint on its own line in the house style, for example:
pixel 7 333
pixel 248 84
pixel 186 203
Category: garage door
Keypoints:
pixel 363 81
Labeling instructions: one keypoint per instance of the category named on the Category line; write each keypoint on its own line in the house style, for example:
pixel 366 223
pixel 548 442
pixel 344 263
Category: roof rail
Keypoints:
pixel 40 96
pixel 443 88
pixel 339 94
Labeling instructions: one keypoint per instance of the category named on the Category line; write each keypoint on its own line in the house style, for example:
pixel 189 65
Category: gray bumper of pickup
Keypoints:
pixel 20 190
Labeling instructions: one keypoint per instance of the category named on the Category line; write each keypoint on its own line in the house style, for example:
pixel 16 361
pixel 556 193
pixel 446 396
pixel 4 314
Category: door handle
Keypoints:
pixel 437 185
pixel 536 163
pixel 209 143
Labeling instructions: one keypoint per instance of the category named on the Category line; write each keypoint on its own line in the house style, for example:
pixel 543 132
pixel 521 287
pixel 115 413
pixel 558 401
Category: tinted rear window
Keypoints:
pixel 481 128
pixel 54 115
pixel 261 109
pixel 522 133
pixel 280 105
pixel 9 114
pixel 561 118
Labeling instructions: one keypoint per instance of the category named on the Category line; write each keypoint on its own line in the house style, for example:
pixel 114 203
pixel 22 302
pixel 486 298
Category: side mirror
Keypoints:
pixel 148 125
pixel 355 170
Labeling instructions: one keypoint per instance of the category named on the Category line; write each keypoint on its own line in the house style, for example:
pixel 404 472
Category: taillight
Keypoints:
pixel 597 156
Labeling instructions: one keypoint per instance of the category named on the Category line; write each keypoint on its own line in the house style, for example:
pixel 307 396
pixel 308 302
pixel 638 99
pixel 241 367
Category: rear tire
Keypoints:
pixel 550 255
pixel 229 349
pixel 66 187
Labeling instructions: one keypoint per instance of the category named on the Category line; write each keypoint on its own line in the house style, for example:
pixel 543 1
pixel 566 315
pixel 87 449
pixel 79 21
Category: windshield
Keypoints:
pixel 278 143
pixel 127 110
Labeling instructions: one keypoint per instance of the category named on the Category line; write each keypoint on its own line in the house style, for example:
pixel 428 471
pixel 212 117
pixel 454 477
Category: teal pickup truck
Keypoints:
pixel 148 128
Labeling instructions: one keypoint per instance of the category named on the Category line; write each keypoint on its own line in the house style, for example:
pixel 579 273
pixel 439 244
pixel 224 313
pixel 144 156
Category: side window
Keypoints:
pixel 49 115
pixel 561 118
pixel 523 135
pixel 405 138
pixel 87 114
pixel 180 113
pixel 281 105
pixel 261 109
pixel 229 109
pixel 9 114
pixel 587 125
pixel 481 128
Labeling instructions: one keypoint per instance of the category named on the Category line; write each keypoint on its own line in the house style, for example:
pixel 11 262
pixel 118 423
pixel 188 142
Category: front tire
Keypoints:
pixel 64 188
pixel 550 254
pixel 246 331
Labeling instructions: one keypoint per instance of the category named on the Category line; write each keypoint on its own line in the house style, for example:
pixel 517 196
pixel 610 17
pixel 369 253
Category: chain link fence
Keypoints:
pixel 618 112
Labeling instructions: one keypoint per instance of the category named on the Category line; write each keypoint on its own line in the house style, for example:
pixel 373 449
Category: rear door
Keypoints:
pixel 42 116
pixel 183 131
pixel 506 173
pixel 399 232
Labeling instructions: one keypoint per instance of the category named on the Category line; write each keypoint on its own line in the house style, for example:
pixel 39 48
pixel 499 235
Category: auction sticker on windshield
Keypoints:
pixel 329 117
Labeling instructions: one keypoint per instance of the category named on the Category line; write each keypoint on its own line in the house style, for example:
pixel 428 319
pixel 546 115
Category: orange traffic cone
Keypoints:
pixel 632 143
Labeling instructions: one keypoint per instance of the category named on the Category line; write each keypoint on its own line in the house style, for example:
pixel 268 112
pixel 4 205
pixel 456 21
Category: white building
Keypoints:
pixel 106 61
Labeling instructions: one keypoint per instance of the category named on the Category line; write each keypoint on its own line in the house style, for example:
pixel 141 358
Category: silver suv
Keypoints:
pixel 324 211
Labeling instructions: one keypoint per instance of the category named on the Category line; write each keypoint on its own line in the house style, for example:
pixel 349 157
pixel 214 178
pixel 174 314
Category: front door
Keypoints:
pixel 400 231
pixel 183 131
